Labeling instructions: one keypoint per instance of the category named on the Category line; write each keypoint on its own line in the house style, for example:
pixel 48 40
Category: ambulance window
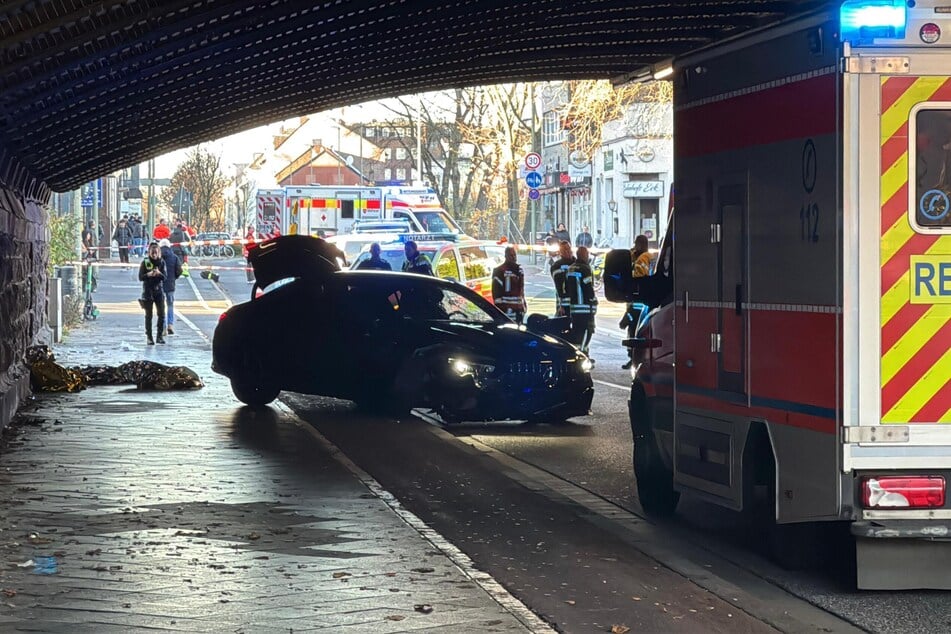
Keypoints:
pixel 346 209
pixel 932 201
pixel 446 266
pixel 269 211
pixel 475 262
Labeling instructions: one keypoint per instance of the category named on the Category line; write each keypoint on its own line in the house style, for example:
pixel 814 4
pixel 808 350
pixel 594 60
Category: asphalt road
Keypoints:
pixel 552 514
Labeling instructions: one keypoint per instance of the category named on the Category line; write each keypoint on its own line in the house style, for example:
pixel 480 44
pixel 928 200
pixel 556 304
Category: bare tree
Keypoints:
pixel 200 175
pixel 593 103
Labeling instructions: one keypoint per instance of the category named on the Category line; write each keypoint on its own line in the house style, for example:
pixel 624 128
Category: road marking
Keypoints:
pixel 198 295
pixel 615 385
pixel 188 322
pixel 489 585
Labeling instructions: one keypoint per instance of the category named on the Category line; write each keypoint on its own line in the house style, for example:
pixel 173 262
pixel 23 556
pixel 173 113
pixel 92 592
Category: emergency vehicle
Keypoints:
pixel 333 210
pixel 465 261
pixel 796 361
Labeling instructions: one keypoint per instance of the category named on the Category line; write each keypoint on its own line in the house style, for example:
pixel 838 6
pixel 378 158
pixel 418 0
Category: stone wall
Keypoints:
pixel 23 280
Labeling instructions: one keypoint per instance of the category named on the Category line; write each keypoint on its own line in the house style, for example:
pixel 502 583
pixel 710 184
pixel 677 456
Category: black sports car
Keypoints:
pixel 391 341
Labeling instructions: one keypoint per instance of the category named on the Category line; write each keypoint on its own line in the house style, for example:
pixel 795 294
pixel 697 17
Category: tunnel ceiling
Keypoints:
pixel 87 87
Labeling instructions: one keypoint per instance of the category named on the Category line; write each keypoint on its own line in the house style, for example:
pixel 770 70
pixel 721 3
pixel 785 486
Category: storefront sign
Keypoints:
pixel 644 189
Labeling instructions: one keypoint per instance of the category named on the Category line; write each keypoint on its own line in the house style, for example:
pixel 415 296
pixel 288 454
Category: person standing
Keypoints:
pixel 583 306
pixel 375 262
pixel 508 286
pixel 558 270
pixel 123 237
pixel 584 238
pixel 248 243
pixel 640 267
pixel 416 262
pixel 179 238
pixel 173 271
pixel 152 275
pixel 561 234
pixel 161 230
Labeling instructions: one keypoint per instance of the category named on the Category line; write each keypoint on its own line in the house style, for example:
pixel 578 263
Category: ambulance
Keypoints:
pixel 321 210
pixel 795 363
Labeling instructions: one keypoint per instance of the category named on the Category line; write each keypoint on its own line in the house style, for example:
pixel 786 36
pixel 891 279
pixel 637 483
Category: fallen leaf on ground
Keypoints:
pixel 10 593
pixel 424 608
pixel 254 536
pixel 424 570
pixel 395 617
pixel 570 602
pixel 620 629
pixel 340 575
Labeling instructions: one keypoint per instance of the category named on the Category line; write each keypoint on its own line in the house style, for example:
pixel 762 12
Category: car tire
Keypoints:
pixel 654 480
pixel 254 395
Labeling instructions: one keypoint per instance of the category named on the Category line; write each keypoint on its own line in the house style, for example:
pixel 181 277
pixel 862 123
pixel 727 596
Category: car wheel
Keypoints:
pixel 254 395
pixel 655 482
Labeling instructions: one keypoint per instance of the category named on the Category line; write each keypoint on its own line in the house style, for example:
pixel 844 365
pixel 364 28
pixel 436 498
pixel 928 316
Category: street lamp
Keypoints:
pixel 612 205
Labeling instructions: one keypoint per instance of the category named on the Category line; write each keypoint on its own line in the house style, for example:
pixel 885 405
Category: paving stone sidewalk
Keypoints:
pixel 126 510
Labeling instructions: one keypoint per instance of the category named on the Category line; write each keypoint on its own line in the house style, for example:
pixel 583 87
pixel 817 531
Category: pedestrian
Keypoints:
pixel 248 243
pixel 173 271
pixel 558 270
pixel 152 275
pixel 123 237
pixel 640 267
pixel 640 258
pixel 179 238
pixel 416 262
pixel 90 253
pixel 583 306
pixel 584 238
pixel 375 262
pixel 161 230
pixel 508 286
pixel 561 233
pixel 138 237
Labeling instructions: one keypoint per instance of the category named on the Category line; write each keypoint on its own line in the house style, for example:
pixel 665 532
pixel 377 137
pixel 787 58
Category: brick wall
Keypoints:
pixel 23 279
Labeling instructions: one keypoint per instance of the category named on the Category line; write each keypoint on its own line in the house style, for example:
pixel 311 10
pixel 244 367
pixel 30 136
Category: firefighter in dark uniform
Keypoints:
pixel 558 270
pixel 416 262
pixel 579 282
pixel 508 286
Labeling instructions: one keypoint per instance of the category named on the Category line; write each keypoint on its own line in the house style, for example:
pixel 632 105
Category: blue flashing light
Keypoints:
pixel 866 20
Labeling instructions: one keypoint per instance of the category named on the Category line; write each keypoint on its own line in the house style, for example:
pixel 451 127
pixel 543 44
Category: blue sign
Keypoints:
pixel 533 179
pixel 934 204
pixel 86 194
pixel 533 194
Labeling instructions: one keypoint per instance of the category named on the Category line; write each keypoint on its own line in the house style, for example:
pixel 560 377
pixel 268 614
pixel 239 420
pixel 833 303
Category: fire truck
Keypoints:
pixel 795 358
pixel 331 210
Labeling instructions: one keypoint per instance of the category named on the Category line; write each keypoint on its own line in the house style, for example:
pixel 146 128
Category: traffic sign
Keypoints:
pixel 564 178
pixel 533 160
pixel 533 179
pixel 533 194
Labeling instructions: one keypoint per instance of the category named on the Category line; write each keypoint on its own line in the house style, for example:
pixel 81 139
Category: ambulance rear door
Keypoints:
pixel 897 249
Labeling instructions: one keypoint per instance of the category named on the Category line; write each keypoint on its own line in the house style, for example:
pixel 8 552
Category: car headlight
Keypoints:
pixel 586 365
pixel 479 372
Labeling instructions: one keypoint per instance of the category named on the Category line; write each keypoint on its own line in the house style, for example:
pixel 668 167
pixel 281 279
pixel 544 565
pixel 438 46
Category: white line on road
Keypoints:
pixel 615 385
pixel 201 300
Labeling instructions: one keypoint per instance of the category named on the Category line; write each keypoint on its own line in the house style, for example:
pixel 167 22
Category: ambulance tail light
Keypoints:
pixel 866 20
pixel 909 492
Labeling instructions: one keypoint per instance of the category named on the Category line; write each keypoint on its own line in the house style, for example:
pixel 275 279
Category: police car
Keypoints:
pixel 453 257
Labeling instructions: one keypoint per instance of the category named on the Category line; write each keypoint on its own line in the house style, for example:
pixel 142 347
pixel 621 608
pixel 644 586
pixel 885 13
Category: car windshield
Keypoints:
pixel 437 222
pixel 395 257
pixel 387 296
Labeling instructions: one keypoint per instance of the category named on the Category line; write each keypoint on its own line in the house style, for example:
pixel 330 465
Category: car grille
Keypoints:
pixel 534 374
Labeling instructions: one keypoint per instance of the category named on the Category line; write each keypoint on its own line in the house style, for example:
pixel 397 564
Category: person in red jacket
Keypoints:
pixel 162 230
pixel 249 237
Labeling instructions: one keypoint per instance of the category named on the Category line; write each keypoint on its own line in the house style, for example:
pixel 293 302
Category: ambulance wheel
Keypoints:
pixel 655 482
pixel 792 546
pixel 254 395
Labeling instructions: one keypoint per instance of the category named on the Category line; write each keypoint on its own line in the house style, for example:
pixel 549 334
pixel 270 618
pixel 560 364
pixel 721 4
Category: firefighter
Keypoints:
pixel 558 269
pixel 416 262
pixel 640 267
pixel 508 286
pixel 375 262
pixel 579 282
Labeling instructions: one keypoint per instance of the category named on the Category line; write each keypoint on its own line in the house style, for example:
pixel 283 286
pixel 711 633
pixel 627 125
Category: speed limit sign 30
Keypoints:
pixel 533 160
